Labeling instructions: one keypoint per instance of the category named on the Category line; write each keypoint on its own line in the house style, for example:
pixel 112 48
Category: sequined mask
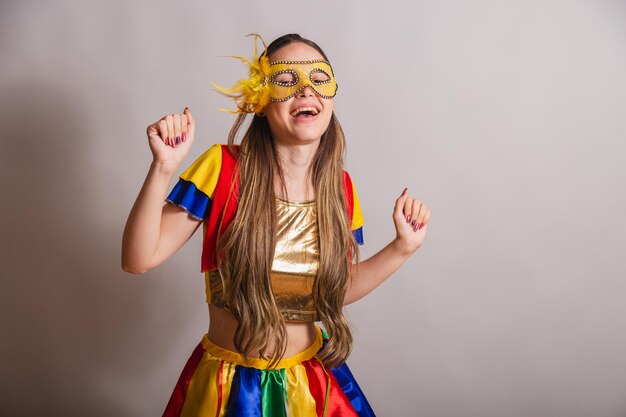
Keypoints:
pixel 288 78
pixel 277 81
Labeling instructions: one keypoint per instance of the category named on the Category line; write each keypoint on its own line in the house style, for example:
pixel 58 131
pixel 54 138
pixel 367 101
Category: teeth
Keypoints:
pixel 302 109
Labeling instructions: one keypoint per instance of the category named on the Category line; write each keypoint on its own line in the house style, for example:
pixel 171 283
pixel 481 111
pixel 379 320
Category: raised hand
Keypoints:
pixel 170 137
pixel 411 219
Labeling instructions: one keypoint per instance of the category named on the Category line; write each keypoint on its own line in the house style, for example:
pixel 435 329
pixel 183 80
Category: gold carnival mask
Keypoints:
pixel 277 81
pixel 288 78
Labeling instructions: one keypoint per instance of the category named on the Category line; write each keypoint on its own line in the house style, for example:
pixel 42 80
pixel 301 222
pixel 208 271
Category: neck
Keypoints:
pixel 295 161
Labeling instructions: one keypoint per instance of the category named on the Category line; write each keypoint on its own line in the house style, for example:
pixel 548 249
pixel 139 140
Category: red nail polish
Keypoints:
pixel 404 192
pixel 408 219
pixel 420 226
pixel 184 136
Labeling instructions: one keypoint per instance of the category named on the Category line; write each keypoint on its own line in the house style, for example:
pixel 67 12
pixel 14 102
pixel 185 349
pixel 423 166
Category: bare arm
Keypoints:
pixel 370 273
pixel 154 230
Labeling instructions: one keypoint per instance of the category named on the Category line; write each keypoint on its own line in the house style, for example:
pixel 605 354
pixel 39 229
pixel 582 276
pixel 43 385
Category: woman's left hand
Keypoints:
pixel 411 219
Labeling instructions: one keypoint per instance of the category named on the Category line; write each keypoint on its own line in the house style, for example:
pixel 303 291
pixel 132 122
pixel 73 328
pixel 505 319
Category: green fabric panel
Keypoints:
pixel 272 393
pixel 324 333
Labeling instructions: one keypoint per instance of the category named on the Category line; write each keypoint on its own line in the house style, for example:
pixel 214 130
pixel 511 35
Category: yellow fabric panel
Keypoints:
pixel 203 382
pixel 301 402
pixel 252 362
pixel 205 170
pixel 206 274
pixel 228 373
pixel 357 215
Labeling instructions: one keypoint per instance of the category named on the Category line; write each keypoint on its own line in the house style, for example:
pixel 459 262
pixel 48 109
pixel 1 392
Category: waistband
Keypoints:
pixel 259 363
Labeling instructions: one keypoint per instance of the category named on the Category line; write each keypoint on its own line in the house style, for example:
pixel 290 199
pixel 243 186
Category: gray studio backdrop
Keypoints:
pixel 505 117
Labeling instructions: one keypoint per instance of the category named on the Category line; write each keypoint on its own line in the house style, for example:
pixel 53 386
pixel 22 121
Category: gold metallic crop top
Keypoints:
pixel 295 263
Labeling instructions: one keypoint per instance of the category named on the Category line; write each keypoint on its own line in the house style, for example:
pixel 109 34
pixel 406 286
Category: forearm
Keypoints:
pixel 369 274
pixel 143 227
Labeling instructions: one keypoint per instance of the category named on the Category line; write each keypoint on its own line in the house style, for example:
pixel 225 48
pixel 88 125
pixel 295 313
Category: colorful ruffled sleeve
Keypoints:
pixel 357 218
pixel 194 190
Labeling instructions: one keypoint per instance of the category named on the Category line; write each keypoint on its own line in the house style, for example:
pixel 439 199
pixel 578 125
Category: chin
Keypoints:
pixel 311 132
pixel 306 138
pixel 308 134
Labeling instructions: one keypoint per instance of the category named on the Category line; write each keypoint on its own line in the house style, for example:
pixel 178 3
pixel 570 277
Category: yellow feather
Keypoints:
pixel 251 94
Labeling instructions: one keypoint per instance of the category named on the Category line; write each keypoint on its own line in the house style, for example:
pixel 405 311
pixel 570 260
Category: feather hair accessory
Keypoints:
pixel 251 94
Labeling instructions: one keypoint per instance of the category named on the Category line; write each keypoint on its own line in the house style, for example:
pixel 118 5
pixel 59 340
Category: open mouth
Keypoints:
pixel 305 113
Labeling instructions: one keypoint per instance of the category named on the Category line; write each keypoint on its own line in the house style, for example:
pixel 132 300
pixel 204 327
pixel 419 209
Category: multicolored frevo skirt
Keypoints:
pixel 217 382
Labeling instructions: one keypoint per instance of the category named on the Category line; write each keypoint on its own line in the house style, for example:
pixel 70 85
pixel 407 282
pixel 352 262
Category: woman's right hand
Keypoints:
pixel 170 138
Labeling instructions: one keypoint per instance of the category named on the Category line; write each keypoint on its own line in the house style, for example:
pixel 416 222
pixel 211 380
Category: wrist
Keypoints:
pixel 402 247
pixel 164 167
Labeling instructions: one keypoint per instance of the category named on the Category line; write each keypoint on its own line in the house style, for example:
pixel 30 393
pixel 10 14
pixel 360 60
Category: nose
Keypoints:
pixel 307 91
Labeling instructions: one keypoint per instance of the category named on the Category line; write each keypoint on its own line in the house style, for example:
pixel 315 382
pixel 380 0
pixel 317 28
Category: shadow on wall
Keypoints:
pixel 75 325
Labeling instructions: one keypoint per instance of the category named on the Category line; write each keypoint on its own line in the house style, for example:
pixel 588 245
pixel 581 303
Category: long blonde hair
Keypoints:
pixel 249 241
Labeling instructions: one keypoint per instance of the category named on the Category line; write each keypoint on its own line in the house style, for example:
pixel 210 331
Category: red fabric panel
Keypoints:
pixel 219 219
pixel 338 403
pixel 175 404
pixel 347 185
pixel 349 195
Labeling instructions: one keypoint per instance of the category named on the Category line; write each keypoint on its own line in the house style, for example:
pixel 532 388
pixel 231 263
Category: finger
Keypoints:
pixel 170 129
pixel 407 210
pixel 191 124
pixel 415 210
pixel 177 130
pixel 422 213
pixel 163 130
pixel 426 219
pixel 153 128
pixel 183 126
pixel 187 113
pixel 397 209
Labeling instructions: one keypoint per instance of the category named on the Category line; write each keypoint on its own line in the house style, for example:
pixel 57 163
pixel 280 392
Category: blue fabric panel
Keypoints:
pixel 245 393
pixel 186 196
pixel 358 235
pixel 352 390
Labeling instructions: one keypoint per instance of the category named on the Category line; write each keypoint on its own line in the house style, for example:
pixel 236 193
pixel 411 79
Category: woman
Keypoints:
pixel 282 224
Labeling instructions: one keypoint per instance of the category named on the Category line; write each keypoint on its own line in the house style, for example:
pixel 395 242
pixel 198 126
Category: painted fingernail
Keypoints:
pixel 184 136
pixel 404 192
pixel 413 223
pixel 408 219
pixel 420 226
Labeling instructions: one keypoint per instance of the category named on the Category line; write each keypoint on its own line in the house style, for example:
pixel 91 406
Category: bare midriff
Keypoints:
pixel 222 326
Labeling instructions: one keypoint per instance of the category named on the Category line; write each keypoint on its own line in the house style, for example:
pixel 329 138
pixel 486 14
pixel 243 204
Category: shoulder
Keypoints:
pixel 211 160
pixel 211 155
pixel 352 198
pixel 347 180
pixel 205 170
pixel 348 183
